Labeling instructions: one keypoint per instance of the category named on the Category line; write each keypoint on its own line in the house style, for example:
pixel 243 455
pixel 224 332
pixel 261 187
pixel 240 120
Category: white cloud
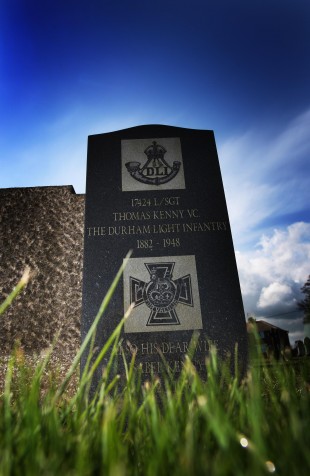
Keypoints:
pixel 271 276
pixel 275 293
pixel 294 141
pixel 265 176
pixel 283 258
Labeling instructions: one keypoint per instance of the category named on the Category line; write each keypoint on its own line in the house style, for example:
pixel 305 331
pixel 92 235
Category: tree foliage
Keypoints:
pixel 305 303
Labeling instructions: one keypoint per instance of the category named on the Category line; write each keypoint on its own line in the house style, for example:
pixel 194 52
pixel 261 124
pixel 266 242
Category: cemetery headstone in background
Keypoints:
pixel 158 191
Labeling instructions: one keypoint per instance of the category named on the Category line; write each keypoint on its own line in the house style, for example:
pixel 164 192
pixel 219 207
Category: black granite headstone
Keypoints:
pixel 158 191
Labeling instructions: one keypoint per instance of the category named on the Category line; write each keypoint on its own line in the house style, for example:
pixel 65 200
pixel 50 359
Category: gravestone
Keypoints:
pixel 157 190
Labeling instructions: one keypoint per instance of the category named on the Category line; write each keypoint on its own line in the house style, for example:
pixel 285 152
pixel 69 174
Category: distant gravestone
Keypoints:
pixel 158 191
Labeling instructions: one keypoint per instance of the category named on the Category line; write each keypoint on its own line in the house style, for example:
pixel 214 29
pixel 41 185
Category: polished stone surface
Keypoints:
pixel 157 190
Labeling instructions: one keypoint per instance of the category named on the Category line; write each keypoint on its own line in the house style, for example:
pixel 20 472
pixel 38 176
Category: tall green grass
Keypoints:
pixel 183 426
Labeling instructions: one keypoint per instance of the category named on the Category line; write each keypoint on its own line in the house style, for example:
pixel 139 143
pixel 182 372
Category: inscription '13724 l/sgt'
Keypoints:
pixel 155 202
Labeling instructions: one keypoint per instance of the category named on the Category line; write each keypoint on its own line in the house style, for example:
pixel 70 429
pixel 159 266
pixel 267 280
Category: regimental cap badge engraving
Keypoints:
pixel 161 294
pixel 156 170
pixel 152 164
pixel 165 294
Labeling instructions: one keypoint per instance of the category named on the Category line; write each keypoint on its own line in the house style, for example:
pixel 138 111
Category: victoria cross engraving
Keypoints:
pixel 161 294
pixel 164 297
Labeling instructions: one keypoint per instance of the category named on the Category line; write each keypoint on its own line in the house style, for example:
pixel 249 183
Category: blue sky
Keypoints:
pixel 74 68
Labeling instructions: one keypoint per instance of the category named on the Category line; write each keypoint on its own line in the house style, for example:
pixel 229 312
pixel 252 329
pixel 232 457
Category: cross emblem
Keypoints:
pixel 162 293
